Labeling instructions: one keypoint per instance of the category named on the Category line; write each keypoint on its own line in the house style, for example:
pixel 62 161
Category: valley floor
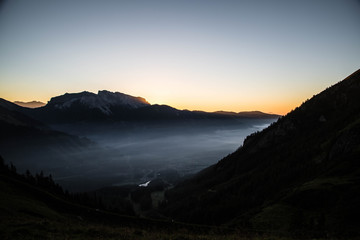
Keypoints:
pixel 28 211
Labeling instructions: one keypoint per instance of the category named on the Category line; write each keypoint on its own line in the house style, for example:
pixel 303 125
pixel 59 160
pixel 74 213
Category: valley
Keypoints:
pixel 87 142
pixel 119 156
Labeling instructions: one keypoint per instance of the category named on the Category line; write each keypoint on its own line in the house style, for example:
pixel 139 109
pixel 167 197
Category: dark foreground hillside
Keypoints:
pixel 34 207
pixel 301 175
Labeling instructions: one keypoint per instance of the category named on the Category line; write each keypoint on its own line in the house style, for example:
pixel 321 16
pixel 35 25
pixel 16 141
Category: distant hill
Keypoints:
pixel 32 104
pixel 249 114
pixel 301 175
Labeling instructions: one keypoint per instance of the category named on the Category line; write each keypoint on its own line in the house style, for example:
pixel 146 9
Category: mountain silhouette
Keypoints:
pixel 114 107
pixel 32 104
pixel 299 175
pixel 24 139
pixel 102 101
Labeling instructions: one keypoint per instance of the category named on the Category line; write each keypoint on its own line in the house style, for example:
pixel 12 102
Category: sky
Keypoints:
pixel 190 54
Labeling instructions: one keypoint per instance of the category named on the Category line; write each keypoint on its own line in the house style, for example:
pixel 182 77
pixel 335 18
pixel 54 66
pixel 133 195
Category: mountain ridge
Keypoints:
pixel 115 106
pixel 302 170
pixel 103 100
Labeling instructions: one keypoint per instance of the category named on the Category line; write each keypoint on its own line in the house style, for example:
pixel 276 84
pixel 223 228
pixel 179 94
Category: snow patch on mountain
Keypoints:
pixel 103 101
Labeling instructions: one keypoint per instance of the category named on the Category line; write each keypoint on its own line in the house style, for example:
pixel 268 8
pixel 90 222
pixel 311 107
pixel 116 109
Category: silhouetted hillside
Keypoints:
pixel 301 175
pixel 34 207
pixel 32 143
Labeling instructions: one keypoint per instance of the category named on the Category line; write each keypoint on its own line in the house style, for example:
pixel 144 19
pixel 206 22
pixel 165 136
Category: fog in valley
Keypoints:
pixel 116 155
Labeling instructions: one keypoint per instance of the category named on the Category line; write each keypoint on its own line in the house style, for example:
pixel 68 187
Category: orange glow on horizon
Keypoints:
pixel 281 109
pixel 281 105
pixel 276 106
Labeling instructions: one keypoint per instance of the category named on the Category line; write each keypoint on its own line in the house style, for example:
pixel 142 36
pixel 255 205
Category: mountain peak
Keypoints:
pixel 103 101
pixel 118 97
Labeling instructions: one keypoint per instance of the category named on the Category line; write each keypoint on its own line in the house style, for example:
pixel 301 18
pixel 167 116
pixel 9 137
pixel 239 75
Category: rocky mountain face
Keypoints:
pixel 86 107
pixel 102 101
pixel 301 174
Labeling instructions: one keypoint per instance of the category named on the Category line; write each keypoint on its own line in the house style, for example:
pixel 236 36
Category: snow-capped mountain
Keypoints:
pixel 103 101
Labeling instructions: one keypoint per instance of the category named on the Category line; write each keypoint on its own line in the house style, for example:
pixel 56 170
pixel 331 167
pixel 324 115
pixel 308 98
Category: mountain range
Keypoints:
pixel 115 107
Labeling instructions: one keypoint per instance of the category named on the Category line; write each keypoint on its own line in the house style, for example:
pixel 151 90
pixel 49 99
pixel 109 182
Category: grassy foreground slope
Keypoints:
pixel 32 211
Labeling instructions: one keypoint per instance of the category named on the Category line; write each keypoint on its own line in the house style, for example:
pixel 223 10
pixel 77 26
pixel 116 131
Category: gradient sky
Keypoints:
pixel 205 55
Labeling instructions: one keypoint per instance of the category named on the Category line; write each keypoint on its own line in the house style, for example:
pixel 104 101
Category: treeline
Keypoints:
pixel 46 183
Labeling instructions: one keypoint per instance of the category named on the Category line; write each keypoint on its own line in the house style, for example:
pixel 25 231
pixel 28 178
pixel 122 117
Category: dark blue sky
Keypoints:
pixel 208 55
